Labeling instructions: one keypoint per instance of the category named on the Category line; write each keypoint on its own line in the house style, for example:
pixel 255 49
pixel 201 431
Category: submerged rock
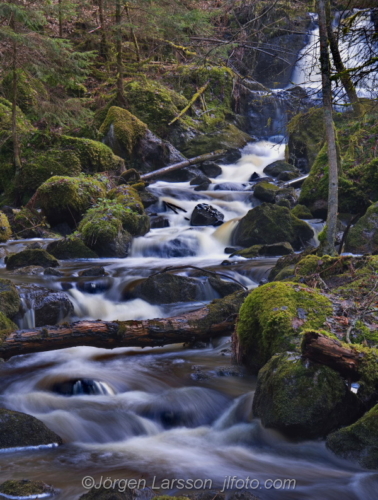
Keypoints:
pixel 359 441
pixel 37 257
pixel 302 399
pixel 206 215
pixel 21 430
pixel 268 224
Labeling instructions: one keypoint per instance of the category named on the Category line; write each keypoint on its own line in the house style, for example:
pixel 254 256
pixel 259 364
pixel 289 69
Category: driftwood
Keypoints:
pixel 328 351
pixel 215 155
pixel 214 320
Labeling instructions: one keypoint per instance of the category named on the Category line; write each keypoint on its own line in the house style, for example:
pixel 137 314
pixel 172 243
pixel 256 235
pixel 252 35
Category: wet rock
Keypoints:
pixel 268 224
pixel 20 430
pixel 261 179
pixel 287 176
pixel 25 258
pixel 29 271
pixel 265 191
pixel 211 169
pixel 274 250
pixel 359 441
pixel 51 271
pixel 230 250
pixel 9 298
pixel 282 398
pixel 49 307
pixel 34 246
pixel 230 186
pixel 206 215
pixel 363 236
pixel 130 175
pixel 159 221
pixel 200 179
pixel 202 187
pixel 25 488
pixel 254 177
pixel 148 199
pixel 166 288
pixel 183 246
pixel 93 272
pixel 302 212
pixel 278 167
pixel 286 197
pixel 70 248
pixel 95 286
pixel 223 287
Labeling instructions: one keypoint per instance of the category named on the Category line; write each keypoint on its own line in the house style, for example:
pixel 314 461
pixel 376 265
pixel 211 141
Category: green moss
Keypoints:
pixel 29 224
pixel 69 248
pixel 359 441
pixel 302 212
pixel 363 236
pixel 9 299
pixel 30 257
pixel 5 229
pixel 302 399
pixel 66 199
pixel 30 90
pixel 128 197
pixel 121 130
pixel 24 127
pixel 287 273
pixel 24 488
pixel 266 191
pixel 6 326
pixel 273 317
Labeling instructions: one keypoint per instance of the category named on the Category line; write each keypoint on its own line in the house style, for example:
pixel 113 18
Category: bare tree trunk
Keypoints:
pixel 104 43
pixel 329 247
pixel 213 320
pixel 133 36
pixel 339 65
pixel 15 138
pixel 60 16
pixel 118 20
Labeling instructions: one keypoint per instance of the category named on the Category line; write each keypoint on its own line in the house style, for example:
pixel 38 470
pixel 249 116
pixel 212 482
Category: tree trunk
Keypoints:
pixel 15 138
pixel 213 320
pixel 132 32
pixel 339 65
pixel 60 16
pixel 176 166
pixel 118 20
pixel 104 43
pixel 329 246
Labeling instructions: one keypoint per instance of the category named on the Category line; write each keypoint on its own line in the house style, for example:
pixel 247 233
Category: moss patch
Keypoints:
pixel 9 299
pixel 69 248
pixel 30 257
pixel 5 229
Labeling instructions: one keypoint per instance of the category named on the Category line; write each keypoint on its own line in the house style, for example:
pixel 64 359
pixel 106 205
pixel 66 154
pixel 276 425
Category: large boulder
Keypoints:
pixel 30 257
pixel 268 224
pixel 302 399
pixel 69 248
pixel 66 199
pixel 363 236
pixel 359 441
pixel 5 229
pixel 9 299
pixel 206 215
pixel 272 318
pixel 166 288
pixel 130 139
pixel 20 430
pixel 280 167
pixel 274 250
pixel 265 191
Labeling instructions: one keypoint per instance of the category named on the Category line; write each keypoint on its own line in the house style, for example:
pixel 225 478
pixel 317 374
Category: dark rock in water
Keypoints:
pixel 264 281
pixel 230 186
pixel 25 258
pixel 202 187
pixel 200 179
pixel 66 286
pixel 182 174
pixel 282 398
pixel 50 271
pixel 286 197
pixel 230 250
pixel 274 250
pixel 287 176
pixel 268 224
pixel 254 177
pixel 79 387
pixel 130 175
pixel 226 263
pixel 277 167
pixel 63 228
pixel 20 430
pixel 211 169
pixel 93 272
pixel 178 247
pixel 93 287
pixel 34 246
pixel 265 191
pixel 261 179
pixel 26 489
pixel 148 199
pixel 223 287
pixel 159 221
pixel 206 215
pixel 49 307
pixel 70 248
pixel 166 288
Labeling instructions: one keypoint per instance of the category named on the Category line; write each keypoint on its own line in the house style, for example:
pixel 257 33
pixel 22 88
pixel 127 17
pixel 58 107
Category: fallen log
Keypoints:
pixel 186 163
pixel 190 104
pixel 213 320
pixel 350 362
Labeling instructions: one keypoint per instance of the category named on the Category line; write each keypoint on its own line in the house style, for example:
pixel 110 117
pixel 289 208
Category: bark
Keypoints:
pixel 329 247
pixel 328 351
pixel 60 15
pixel 104 43
pixel 339 65
pixel 132 32
pixel 120 86
pixel 176 166
pixel 213 320
pixel 15 138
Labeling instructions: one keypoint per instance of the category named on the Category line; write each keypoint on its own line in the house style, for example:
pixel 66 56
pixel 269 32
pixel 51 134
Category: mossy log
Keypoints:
pixel 214 320
pixel 190 104
pixel 193 161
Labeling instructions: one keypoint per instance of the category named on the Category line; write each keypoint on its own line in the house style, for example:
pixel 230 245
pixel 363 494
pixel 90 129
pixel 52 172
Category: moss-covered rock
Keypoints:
pixel 278 168
pixel 19 430
pixel 301 211
pixel 69 248
pixel 268 224
pixel 302 399
pixel 265 191
pixel 273 317
pixel 25 489
pixel 128 197
pixel 26 223
pixel 359 441
pixel 30 257
pixel 274 250
pixel 5 229
pixel 24 127
pixel 9 299
pixel 363 236
pixel 6 324
pixel 102 493
pixel 30 90
pixel 66 199
pixel 166 288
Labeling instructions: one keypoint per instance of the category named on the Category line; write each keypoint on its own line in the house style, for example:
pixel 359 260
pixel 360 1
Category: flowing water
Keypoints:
pixel 163 413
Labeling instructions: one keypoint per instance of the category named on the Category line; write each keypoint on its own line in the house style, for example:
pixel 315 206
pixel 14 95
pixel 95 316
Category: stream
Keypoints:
pixel 166 412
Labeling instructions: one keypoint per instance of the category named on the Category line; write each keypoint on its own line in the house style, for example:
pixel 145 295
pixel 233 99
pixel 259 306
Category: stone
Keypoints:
pixel 265 191
pixel 93 272
pixel 278 167
pixel 206 215
pixel 25 258
pixel 70 248
pixel 9 298
pixel 211 169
